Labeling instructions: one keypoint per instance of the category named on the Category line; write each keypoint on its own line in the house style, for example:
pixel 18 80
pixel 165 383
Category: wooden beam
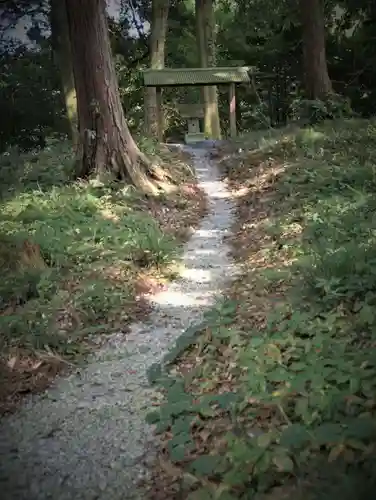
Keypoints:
pixel 146 112
pixel 232 101
pixel 160 117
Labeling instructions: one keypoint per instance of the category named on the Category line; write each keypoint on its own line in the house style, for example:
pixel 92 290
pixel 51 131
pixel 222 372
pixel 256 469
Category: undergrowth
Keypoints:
pixel 275 397
pixel 73 253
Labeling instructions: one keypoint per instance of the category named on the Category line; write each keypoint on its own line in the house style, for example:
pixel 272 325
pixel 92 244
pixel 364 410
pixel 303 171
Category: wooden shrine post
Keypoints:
pixel 160 117
pixel 232 101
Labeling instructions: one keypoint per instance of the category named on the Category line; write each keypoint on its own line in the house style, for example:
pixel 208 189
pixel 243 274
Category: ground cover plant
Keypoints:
pixel 274 397
pixel 78 257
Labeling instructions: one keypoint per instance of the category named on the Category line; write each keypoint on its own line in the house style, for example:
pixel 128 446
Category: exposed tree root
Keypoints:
pixel 156 171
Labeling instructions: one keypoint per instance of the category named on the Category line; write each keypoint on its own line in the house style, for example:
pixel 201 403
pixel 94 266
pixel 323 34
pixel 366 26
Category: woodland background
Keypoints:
pixel 265 35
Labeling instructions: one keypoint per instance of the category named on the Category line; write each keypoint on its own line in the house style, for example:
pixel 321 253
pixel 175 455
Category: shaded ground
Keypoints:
pixel 79 258
pixel 279 386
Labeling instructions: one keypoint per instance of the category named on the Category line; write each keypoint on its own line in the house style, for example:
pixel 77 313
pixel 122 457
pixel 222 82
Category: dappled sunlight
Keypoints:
pixel 211 188
pixel 241 192
pixel 310 135
pixel 203 252
pixel 71 105
pixel 197 275
pixel 108 214
pixel 178 299
pixel 208 233
pixel 267 177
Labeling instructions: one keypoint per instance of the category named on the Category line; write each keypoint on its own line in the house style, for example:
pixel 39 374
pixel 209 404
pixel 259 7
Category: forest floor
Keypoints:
pixel 274 396
pixel 87 436
pixel 79 259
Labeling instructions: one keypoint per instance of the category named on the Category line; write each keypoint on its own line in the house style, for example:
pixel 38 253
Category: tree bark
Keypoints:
pixel 317 82
pixel 159 23
pixel 206 38
pixel 203 61
pixel 63 57
pixel 105 143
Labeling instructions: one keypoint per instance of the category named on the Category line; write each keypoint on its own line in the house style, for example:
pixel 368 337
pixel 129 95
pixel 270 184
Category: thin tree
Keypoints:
pixel 159 21
pixel 206 39
pixel 105 142
pixel 317 82
pixel 63 57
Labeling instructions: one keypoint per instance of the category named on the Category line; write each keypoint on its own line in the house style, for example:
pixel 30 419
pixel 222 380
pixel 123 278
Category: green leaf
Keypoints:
pixel 263 464
pixel 162 426
pixel 226 400
pixel 265 440
pixel 283 463
pixel 367 314
pixel 222 332
pixel 328 433
pixel 186 339
pixel 166 382
pixel 354 385
pixel 177 453
pixel 301 408
pixel 182 424
pixel 298 366
pixel 154 373
pixel 180 407
pixel 207 465
pixel 203 407
pixel 279 374
pixel 361 428
pixel 153 417
pixel 236 477
pixel 299 382
pixel 256 342
pixel 177 392
pixel 294 436
pixel 181 438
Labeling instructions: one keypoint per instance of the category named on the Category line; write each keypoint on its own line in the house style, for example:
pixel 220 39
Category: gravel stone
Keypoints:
pixel 86 437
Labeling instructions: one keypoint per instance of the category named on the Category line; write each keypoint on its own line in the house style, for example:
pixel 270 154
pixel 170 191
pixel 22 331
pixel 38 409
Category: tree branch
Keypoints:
pixel 138 26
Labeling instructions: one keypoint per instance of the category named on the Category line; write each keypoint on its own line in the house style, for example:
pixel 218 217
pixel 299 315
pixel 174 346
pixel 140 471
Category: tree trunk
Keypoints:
pixel 317 81
pixel 105 141
pixel 203 62
pixel 206 34
pixel 159 22
pixel 63 58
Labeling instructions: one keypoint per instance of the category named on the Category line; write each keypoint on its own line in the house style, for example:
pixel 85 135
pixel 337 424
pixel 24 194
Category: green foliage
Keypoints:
pixel 258 33
pixel 91 236
pixel 30 98
pixel 307 111
pixel 301 411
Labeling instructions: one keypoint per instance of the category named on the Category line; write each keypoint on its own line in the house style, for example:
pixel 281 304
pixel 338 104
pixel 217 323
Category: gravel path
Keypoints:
pixel 86 438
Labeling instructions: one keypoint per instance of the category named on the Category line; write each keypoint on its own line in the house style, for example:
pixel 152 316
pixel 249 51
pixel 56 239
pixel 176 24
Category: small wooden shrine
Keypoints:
pixel 199 77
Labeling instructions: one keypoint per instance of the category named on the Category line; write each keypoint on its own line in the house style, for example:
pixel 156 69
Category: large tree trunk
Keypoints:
pixel 105 141
pixel 159 22
pixel 63 58
pixel 206 34
pixel 317 81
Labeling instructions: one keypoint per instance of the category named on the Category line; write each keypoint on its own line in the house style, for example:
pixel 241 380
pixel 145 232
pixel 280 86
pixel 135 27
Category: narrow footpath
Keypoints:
pixel 86 437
